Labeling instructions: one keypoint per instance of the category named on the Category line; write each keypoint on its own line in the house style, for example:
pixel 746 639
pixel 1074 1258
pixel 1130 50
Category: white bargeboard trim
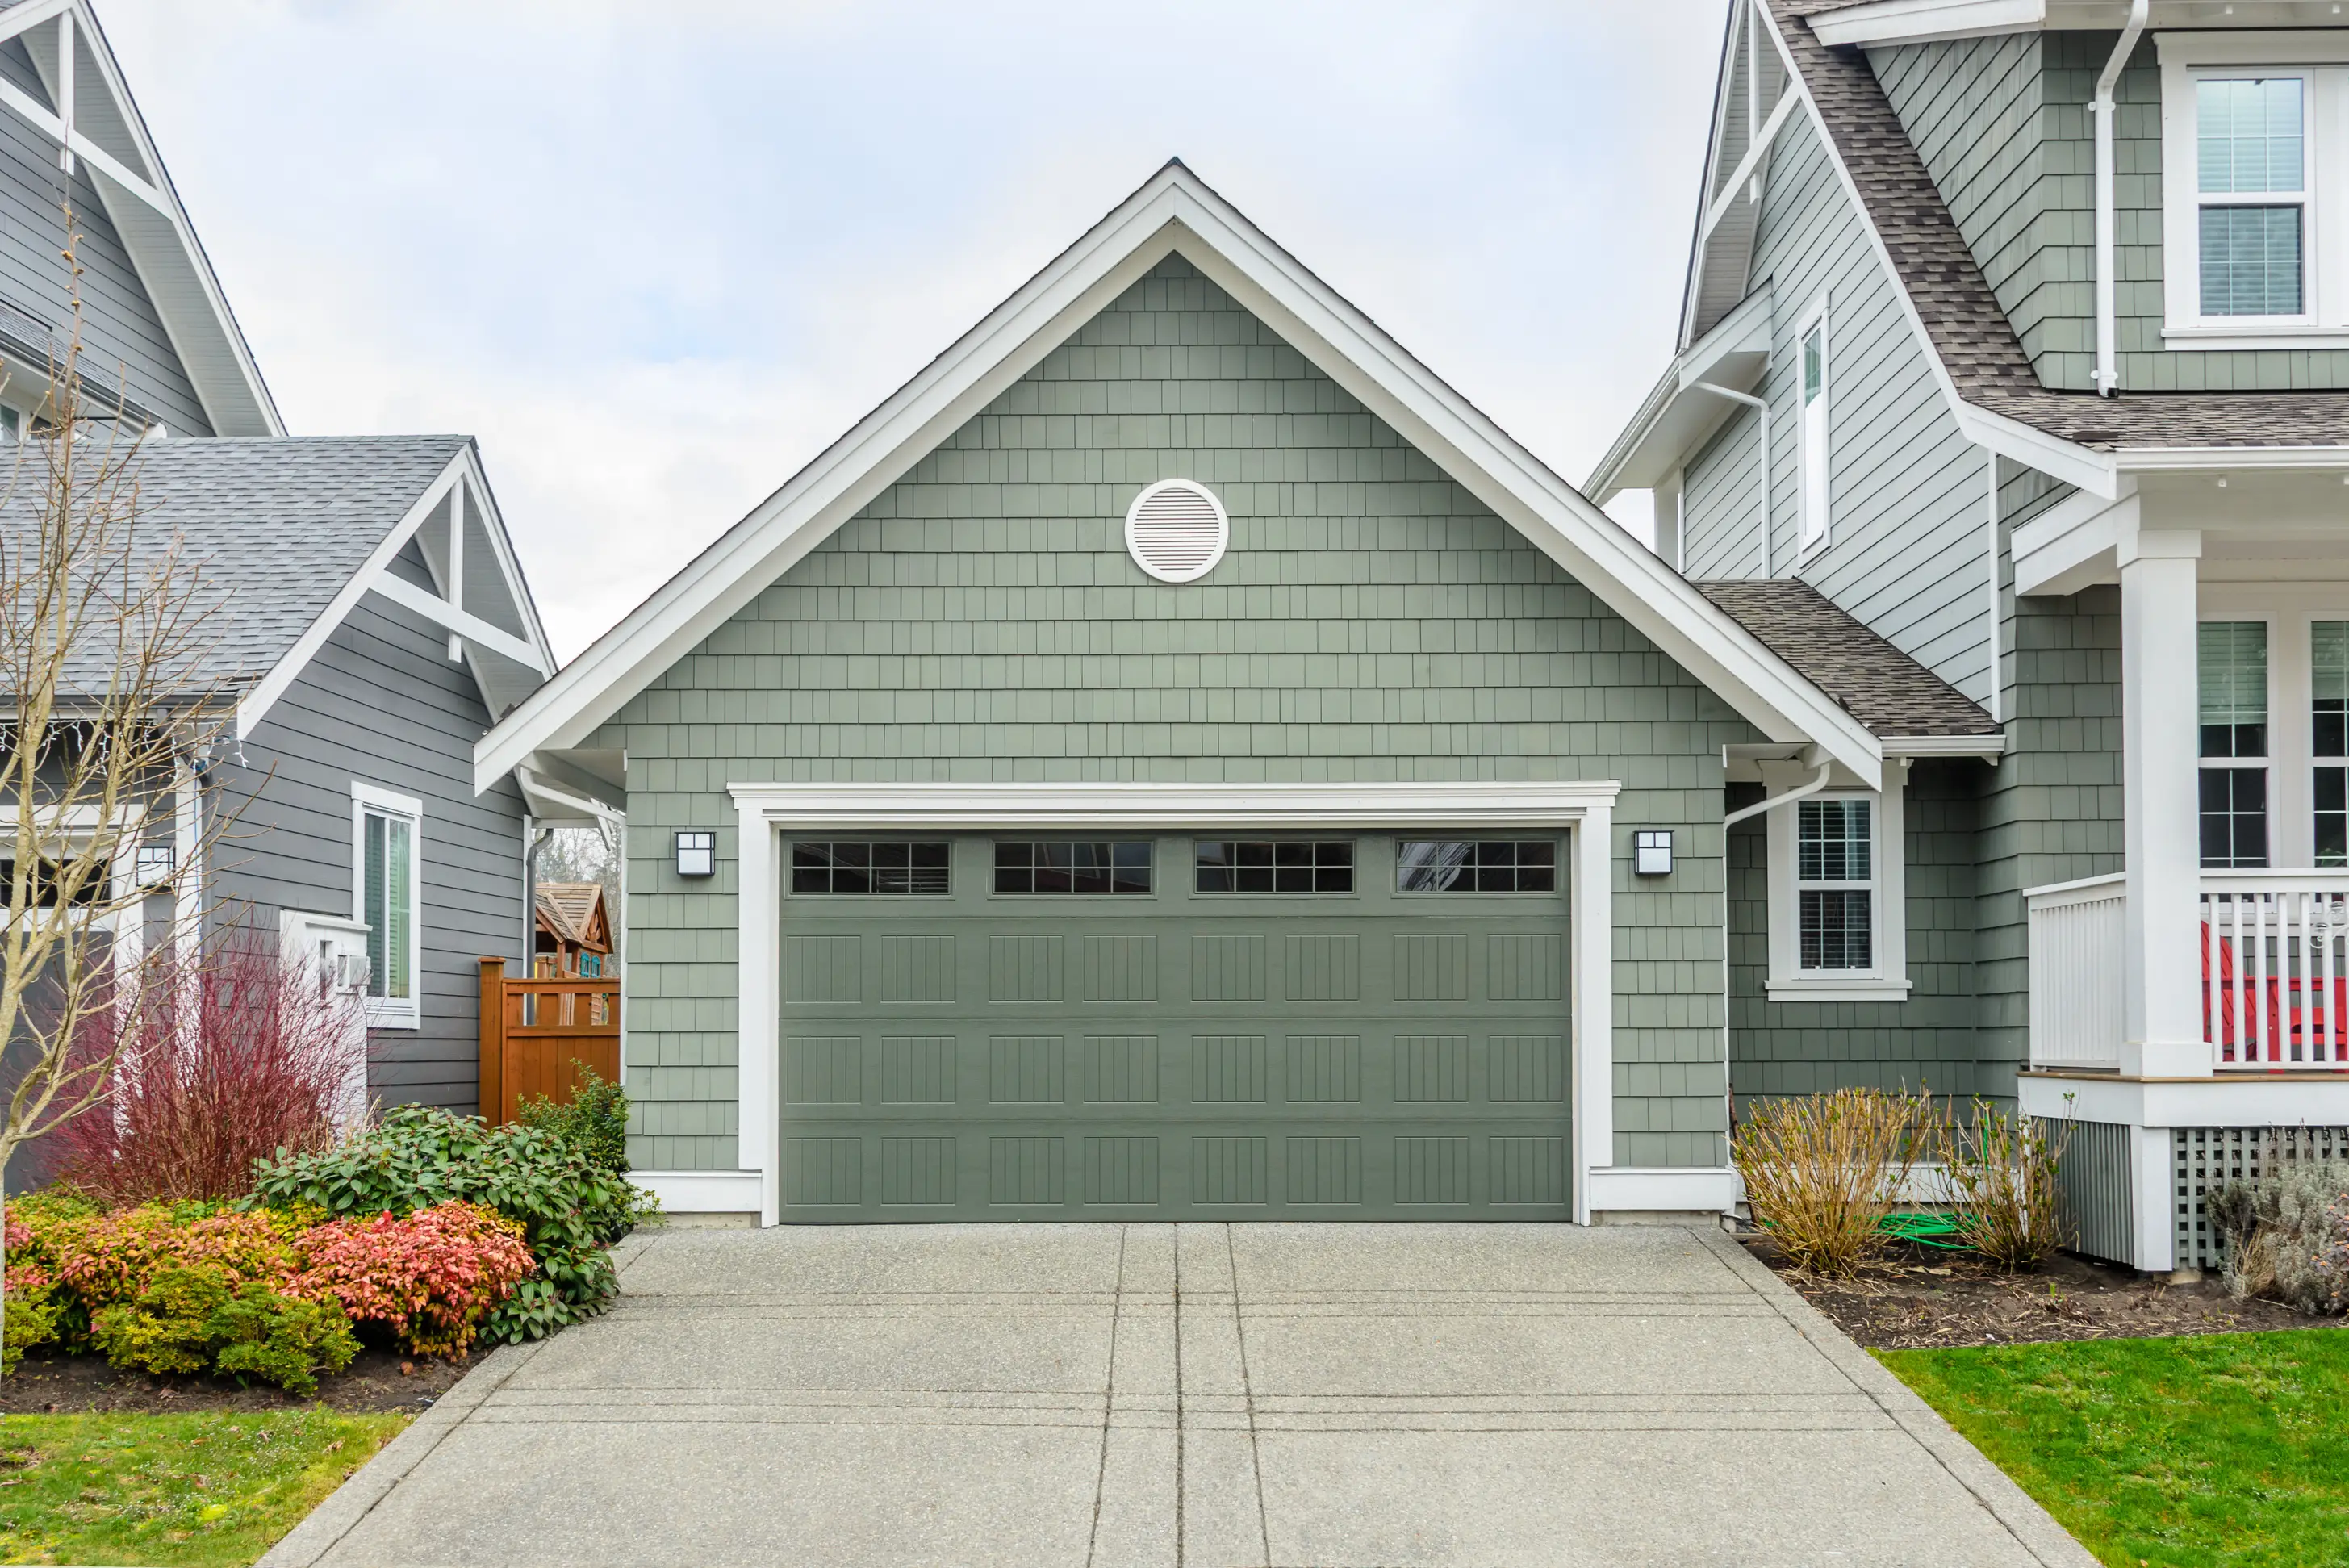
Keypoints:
pixel 764 812
pixel 1175 212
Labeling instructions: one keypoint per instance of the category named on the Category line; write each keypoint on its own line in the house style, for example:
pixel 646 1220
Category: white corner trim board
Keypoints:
pixel 1175 212
pixel 763 811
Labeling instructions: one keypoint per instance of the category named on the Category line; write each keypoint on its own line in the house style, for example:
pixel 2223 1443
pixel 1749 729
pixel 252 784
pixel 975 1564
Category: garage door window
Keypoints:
pixel 857 867
pixel 1478 866
pixel 1120 866
pixel 1276 865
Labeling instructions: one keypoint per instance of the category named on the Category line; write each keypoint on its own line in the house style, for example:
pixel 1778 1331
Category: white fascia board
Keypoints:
pixel 1173 210
pixel 1701 236
pixel 883 806
pixel 550 800
pixel 1987 747
pixel 169 261
pixel 255 704
pixel 1659 435
pixel 2230 459
pixel 1893 22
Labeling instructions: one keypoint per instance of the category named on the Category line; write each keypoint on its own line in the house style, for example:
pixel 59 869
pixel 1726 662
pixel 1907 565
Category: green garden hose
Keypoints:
pixel 1925 1229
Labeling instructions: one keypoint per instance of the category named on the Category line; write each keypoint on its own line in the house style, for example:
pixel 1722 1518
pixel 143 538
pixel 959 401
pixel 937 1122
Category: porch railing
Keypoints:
pixel 2275 971
pixel 2077 956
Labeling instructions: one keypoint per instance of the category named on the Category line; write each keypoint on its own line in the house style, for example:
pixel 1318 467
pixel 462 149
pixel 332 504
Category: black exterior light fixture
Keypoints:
pixel 1651 852
pixel 697 852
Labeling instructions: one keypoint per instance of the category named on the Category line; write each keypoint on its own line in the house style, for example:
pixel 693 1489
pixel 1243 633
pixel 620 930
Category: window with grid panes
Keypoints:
pixel 1276 865
pixel 2251 195
pixel 1834 884
pixel 2328 724
pixel 2233 659
pixel 1116 866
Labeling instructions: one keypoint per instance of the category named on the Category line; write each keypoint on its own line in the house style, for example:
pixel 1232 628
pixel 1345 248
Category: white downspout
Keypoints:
pixel 1762 404
pixel 1812 785
pixel 2100 108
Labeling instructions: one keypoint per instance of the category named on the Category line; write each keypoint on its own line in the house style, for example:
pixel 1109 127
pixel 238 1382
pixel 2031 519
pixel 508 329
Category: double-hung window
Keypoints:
pixel 2328 740
pixel 2255 231
pixel 387 852
pixel 1815 432
pixel 2233 658
pixel 1837 897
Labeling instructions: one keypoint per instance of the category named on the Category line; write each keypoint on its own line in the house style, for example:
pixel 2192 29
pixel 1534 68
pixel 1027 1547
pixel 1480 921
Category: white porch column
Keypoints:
pixel 2162 1010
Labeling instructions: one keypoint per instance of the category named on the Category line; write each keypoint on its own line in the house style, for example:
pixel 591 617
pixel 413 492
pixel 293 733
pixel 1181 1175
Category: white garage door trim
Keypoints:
pixel 765 811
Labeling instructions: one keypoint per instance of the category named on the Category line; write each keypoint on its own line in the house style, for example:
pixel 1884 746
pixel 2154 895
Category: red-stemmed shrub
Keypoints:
pixel 429 1276
pixel 241 1056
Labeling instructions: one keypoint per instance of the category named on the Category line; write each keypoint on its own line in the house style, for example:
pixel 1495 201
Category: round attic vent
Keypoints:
pixel 1176 530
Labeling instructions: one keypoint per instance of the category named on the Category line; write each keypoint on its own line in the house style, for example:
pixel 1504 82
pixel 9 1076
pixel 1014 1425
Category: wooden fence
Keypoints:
pixel 537 1034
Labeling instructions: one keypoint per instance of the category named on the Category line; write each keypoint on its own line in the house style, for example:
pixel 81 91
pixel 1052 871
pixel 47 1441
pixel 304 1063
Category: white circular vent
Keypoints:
pixel 1176 530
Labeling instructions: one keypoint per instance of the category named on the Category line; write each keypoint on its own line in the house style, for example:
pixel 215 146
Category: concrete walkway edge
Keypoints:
pixel 349 1503
pixel 2031 1525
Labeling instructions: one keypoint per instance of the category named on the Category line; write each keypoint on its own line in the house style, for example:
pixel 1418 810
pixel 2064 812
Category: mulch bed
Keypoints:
pixel 73 1384
pixel 1918 1298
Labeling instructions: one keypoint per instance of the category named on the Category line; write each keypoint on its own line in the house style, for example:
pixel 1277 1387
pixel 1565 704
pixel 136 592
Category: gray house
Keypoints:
pixel 369 616
pixel 1177 758
pixel 2018 335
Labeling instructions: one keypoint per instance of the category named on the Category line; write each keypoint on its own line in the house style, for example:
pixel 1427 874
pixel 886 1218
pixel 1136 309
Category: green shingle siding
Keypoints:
pixel 980 621
pixel 2003 126
pixel 1927 1042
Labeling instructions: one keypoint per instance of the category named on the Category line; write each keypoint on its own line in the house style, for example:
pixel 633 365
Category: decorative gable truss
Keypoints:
pixel 94 122
pixel 478 595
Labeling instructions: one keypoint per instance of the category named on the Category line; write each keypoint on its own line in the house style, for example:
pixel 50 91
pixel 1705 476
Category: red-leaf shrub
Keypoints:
pixel 241 1055
pixel 105 1259
pixel 428 1275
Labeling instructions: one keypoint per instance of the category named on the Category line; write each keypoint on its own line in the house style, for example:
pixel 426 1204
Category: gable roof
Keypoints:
pixel 574 912
pixel 1175 212
pixel 1895 696
pixel 1962 321
pixel 107 136
pixel 282 536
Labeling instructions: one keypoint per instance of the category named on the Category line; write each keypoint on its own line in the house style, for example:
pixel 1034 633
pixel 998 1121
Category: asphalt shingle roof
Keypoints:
pixel 1875 682
pixel 1962 316
pixel 273 526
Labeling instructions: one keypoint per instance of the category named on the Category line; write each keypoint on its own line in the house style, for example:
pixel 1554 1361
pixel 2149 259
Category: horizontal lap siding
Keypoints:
pixel 381 705
pixel 123 339
pixel 981 621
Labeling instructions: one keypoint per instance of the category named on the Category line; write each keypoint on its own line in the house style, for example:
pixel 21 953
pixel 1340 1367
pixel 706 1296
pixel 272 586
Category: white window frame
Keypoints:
pixel 1888 979
pixel 391 1011
pixel 2322 61
pixel 1812 420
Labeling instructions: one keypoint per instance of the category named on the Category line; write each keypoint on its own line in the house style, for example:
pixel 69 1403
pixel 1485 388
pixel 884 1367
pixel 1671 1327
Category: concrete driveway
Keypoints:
pixel 1200 1395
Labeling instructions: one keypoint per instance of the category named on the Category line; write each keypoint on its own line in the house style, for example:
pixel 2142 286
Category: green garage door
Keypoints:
pixel 1178 1027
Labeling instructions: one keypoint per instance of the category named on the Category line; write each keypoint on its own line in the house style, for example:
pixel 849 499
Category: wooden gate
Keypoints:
pixel 537 1034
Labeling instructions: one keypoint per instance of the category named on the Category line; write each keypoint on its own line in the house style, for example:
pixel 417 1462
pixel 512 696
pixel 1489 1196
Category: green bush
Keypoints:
pixel 570 1210
pixel 33 1314
pixel 192 1320
pixel 595 1122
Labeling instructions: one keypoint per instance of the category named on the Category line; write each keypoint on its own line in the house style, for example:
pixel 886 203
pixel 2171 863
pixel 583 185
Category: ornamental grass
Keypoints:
pixel 1821 1171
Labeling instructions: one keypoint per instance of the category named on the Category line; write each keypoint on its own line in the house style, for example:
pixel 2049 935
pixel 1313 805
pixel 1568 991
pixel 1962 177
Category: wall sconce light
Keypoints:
pixel 697 852
pixel 1651 852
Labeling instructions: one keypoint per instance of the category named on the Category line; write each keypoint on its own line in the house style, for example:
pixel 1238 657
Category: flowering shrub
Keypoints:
pixel 429 1276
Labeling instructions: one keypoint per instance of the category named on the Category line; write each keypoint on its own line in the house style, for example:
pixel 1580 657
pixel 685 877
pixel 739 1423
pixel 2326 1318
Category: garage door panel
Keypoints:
pixel 961 1054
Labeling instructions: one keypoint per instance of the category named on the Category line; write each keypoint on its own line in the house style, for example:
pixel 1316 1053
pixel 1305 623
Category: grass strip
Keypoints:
pixel 2185 1452
pixel 175 1491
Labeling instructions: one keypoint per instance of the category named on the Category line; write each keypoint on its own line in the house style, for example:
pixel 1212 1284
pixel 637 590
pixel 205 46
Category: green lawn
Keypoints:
pixel 194 1490
pixel 2203 1449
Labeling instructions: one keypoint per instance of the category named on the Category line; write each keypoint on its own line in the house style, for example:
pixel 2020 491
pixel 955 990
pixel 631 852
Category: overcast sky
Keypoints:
pixel 658 256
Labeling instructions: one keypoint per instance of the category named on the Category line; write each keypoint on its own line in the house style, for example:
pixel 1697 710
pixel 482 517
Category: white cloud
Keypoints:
pixel 657 258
